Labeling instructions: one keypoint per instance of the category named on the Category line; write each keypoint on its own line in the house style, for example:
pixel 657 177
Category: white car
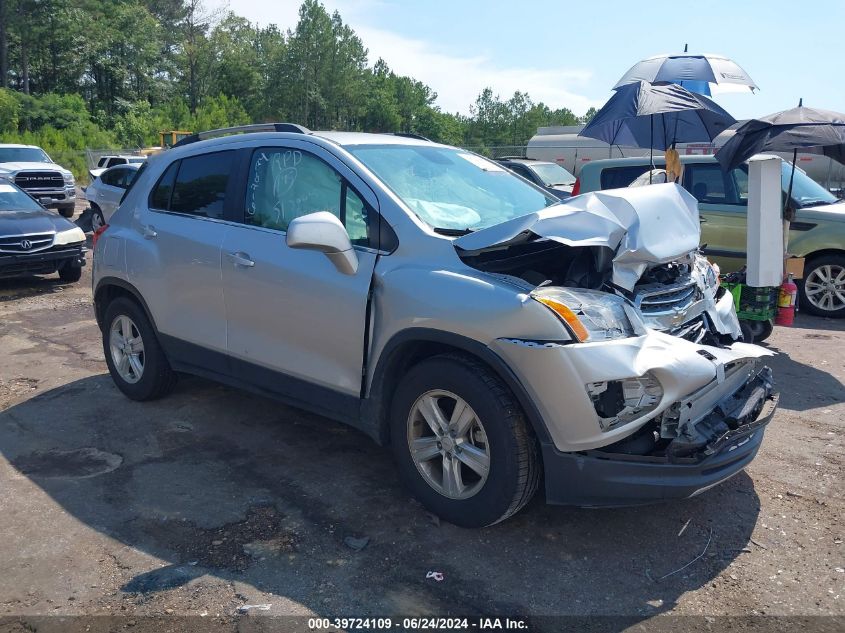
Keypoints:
pixel 107 189
pixel 110 161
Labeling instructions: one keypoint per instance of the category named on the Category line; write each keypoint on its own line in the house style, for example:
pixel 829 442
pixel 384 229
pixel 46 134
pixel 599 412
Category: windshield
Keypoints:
pixel 13 199
pixel 552 174
pixel 805 191
pixel 23 155
pixel 449 188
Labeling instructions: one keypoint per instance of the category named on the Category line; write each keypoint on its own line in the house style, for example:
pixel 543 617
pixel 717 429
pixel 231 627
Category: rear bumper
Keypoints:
pixel 41 263
pixel 600 479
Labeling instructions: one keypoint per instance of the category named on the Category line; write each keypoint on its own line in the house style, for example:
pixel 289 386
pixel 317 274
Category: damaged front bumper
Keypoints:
pixel 600 479
pixel 707 426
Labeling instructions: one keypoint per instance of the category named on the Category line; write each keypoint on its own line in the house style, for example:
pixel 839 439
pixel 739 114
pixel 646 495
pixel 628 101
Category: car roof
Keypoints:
pixel 524 161
pixel 18 145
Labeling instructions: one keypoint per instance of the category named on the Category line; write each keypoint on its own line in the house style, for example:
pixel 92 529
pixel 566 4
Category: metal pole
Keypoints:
pixel 786 214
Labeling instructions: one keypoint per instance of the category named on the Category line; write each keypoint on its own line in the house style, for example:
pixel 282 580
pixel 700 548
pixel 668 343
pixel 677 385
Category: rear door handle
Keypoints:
pixel 149 231
pixel 241 259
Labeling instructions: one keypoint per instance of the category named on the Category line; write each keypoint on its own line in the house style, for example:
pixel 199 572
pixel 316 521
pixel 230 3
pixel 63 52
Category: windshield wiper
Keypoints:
pixel 452 232
pixel 817 203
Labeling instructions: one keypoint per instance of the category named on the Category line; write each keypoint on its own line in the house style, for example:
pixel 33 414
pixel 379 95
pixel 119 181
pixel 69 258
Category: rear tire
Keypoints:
pixel 97 219
pixel 66 212
pixel 136 361
pixel 822 290
pixel 495 457
pixel 760 330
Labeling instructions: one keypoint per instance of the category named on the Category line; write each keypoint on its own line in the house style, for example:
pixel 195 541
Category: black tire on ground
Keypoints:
pixel 760 330
pixel 66 212
pixel 836 262
pixel 747 332
pixel 70 274
pixel 158 378
pixel 515 465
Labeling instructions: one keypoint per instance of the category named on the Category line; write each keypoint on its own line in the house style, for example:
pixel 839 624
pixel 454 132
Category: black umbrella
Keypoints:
pixel 808 129
pixel 657 116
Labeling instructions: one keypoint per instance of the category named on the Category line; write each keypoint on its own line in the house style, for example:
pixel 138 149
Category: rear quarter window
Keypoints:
pixel 618 177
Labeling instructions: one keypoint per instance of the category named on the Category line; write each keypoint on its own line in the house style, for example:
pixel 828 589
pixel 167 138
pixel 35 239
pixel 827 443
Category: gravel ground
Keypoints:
pixel 212 499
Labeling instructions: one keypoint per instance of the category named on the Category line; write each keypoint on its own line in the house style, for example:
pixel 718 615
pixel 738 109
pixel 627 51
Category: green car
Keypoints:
pixel 818 232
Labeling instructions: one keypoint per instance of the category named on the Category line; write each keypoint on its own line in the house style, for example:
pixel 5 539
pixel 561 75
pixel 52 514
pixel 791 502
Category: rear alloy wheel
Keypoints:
pixel 461 442
pixel 823 288
pixel 136 362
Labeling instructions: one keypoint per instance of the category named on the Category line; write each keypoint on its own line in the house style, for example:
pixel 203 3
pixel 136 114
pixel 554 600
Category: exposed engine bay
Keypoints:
pixel 638 244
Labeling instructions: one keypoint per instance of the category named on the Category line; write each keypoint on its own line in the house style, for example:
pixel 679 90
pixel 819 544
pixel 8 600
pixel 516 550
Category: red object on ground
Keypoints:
pixel 786 302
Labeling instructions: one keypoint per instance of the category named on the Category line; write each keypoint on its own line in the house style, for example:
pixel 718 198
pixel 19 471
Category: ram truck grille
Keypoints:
pixel 40 180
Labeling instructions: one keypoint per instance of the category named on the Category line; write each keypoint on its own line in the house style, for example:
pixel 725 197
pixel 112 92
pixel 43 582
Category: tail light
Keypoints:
pixel 97 235
pixel 576 188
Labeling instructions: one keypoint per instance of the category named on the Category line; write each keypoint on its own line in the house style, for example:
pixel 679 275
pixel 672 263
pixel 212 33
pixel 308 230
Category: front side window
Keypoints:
pixel 285 184
pixel 706 182
pixel 451 189
pixel 200 187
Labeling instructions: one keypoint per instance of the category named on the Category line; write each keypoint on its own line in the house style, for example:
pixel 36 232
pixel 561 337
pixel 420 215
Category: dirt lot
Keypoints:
pixel 213 499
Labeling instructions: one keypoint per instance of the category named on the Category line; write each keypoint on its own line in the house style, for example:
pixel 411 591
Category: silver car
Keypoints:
pixel 490 334
pixel 106 191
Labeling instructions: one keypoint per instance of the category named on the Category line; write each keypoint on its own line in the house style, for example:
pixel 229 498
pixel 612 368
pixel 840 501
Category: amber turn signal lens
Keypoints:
pixel 568 317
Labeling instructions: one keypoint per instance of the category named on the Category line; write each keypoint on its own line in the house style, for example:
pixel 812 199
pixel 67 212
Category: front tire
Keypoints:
pixel 136 361
pixel 822 291
pixel 70 274
pixel 461 442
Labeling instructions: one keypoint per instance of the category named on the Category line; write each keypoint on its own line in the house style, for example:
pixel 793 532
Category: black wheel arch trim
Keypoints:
pixel 103 283
pixel 375 409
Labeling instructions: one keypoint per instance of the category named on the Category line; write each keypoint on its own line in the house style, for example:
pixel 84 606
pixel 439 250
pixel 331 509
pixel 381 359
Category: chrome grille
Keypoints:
pixel 658 298
pixel 26 243
pixel 40 180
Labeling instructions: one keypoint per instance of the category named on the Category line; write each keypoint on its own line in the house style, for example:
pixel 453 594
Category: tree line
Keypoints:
pixel 78 74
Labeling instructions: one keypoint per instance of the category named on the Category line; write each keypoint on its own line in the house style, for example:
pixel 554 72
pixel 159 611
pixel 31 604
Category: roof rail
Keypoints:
pixel 409 135
pixel 244 129
pixel 513 158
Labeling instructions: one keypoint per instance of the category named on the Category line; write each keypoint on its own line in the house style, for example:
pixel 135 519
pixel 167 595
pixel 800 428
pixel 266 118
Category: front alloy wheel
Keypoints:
pixel 448 444
pixel 462 444
pixel 127 349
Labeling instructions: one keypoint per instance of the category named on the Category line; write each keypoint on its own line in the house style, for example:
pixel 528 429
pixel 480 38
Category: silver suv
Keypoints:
pixel 490 334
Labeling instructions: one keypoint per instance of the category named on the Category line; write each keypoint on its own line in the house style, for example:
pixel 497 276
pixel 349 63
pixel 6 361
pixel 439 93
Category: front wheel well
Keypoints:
pixel 399 358
pixel 823 253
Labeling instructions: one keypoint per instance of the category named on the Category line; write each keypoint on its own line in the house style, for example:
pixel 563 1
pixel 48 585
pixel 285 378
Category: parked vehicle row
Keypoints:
pixel 487 331
pixel 106 191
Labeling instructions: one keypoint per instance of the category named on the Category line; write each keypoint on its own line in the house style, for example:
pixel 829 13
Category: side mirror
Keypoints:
pixel 321 231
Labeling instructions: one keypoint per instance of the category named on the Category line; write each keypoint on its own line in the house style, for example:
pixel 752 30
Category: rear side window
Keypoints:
pixel 195 185
pixel 160 197
pixel 201 182
pixel 618 177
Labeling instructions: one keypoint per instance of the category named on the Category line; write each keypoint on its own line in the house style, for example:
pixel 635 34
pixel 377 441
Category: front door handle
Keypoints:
pixel 149 231
pixel 241 259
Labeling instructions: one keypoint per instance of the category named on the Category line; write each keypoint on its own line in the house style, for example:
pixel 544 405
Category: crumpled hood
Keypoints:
pixel 644 226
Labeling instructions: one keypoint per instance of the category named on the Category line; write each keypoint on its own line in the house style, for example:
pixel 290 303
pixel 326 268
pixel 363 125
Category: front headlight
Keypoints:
pixel 68 178
pixel 71 236
pixel 591 315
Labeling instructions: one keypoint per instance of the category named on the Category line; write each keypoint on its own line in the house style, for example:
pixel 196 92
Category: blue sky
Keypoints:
pixel 571 53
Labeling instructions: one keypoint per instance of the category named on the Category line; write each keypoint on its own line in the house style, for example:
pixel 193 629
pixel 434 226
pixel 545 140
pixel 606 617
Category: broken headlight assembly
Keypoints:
pixel 618 402
pixel 591 315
